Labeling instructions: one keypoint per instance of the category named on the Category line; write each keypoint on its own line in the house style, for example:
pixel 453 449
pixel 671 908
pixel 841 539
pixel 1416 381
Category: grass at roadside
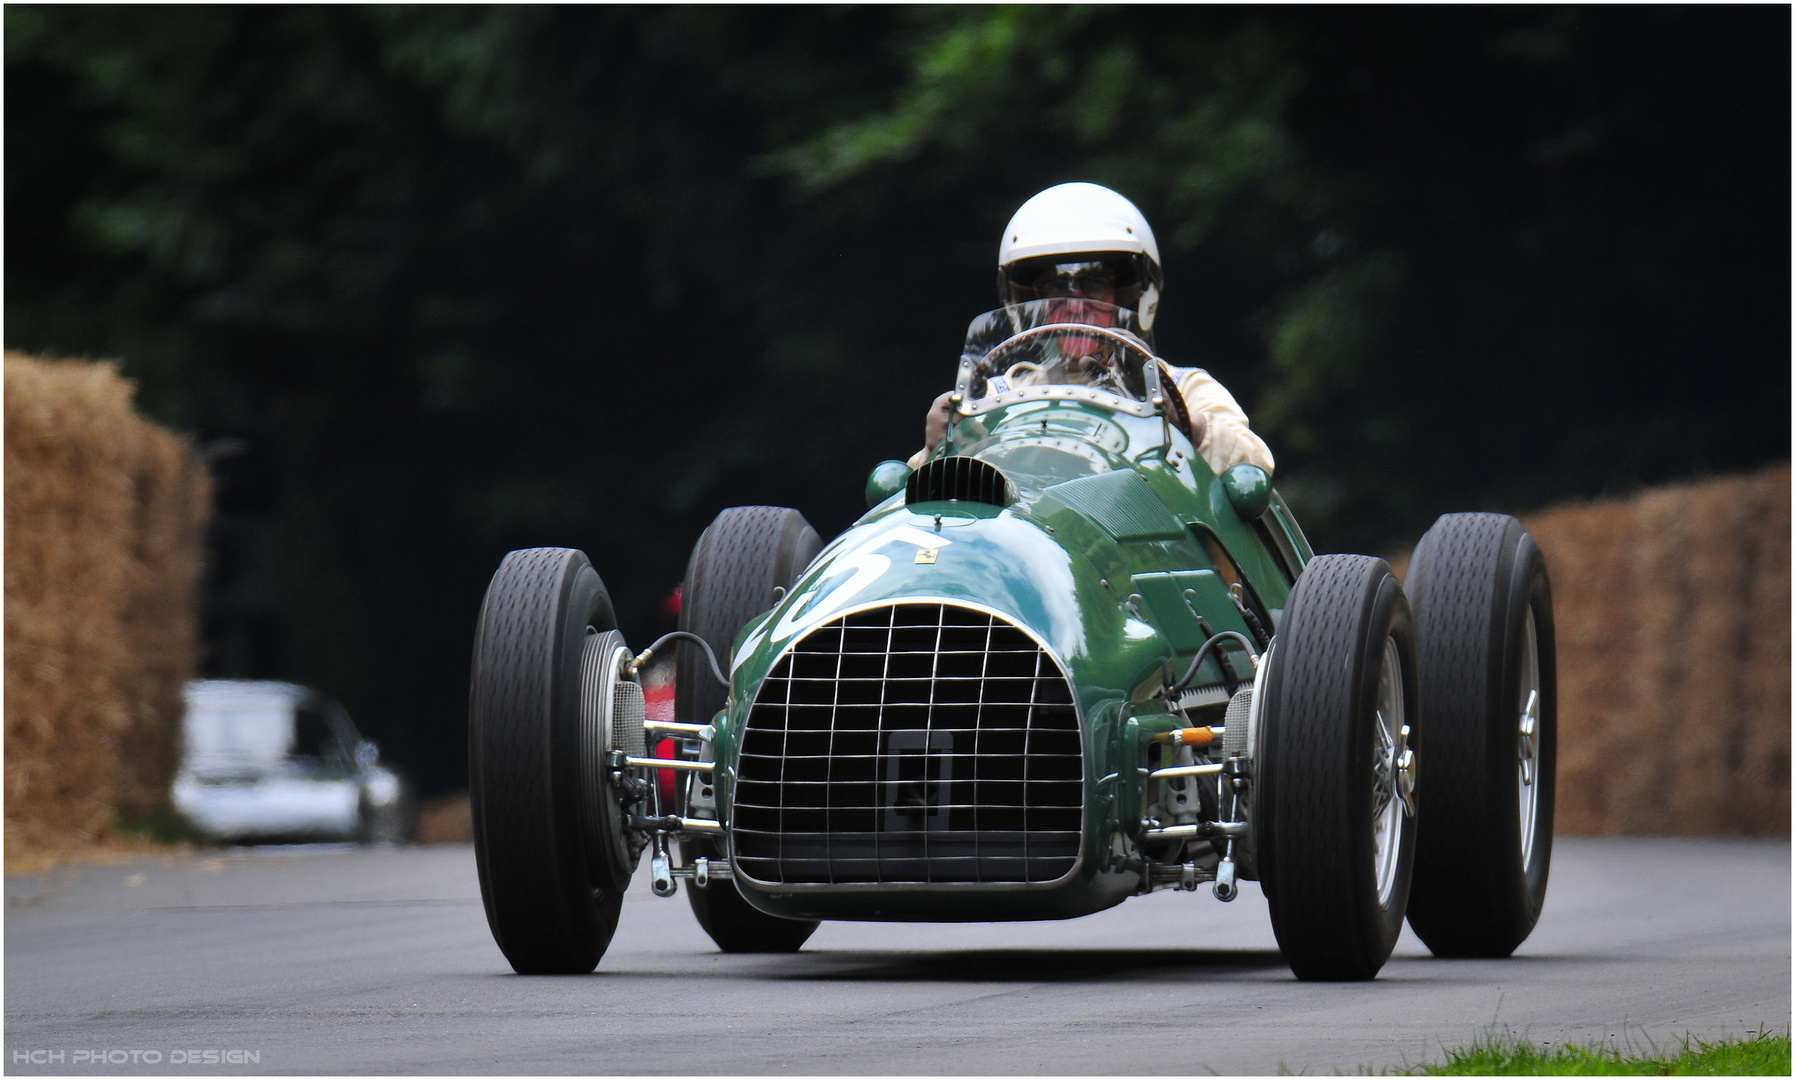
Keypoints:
pixel 1760 1055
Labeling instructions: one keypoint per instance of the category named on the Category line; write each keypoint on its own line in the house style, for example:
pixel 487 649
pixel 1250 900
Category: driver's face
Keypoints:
pixel 1074 310
pixel 1070 307
pixel 1072 282
pixel 1078 290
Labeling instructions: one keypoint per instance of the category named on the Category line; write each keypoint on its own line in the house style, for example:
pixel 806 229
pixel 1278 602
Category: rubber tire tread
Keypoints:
pixel 1471 581
pixel 746 554
pixel 1311 804
pixel 523 736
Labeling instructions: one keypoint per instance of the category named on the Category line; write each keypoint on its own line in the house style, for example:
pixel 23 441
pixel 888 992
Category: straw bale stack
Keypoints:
pixel 1673 657
pixel 105 515
pixel 448 820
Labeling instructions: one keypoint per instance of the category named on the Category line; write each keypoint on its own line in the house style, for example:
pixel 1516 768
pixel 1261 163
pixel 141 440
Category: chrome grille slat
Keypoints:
pixel 920 743
pixel 878 757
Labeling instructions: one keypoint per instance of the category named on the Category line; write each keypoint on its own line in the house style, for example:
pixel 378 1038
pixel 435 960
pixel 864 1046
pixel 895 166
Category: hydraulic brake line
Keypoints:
pixel 1202 653
pixel 683 635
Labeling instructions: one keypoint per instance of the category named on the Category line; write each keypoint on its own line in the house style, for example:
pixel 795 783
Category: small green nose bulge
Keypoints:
pixel 1249 489
pixel 889 477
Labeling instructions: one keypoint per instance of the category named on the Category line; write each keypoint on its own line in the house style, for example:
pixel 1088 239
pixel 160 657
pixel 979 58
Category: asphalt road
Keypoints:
pixel 345 961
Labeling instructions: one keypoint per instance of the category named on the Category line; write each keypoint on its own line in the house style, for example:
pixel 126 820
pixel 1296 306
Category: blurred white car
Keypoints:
pixel 277 761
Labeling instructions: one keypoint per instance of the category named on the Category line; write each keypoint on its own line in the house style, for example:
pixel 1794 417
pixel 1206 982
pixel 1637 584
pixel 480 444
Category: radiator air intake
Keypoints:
pixel 916 743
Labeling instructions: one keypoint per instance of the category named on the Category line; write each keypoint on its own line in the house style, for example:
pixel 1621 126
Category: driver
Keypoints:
pixel 1083 242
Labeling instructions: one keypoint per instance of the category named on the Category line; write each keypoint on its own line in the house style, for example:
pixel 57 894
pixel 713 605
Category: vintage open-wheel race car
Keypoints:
pixel 1059 664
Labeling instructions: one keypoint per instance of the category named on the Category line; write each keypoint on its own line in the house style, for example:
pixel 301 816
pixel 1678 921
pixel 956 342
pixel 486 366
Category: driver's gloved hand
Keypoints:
pixel 935 428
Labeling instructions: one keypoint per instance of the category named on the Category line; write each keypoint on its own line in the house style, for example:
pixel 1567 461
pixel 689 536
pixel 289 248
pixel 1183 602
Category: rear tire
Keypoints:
pixel 1334 835
pixel 552 896
pixel 1483 618
pixel 739 564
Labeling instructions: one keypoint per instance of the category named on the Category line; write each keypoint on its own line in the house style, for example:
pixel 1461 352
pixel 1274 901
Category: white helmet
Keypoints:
pixel 1113 244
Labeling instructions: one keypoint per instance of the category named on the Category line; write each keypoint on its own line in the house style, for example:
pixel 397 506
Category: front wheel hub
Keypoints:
pixel 1529 741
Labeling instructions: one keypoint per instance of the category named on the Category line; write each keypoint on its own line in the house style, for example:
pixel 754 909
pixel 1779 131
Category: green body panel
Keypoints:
pixel 1105 556
pixel 1178 599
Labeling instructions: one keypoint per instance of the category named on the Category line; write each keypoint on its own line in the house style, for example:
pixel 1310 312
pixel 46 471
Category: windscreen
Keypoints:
pixel 1055 342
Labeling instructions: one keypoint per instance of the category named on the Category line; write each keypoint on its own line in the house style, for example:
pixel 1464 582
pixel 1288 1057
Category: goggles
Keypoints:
pixel 1116 279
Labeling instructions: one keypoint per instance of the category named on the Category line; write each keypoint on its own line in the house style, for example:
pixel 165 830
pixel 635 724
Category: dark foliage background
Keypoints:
pixel 434 283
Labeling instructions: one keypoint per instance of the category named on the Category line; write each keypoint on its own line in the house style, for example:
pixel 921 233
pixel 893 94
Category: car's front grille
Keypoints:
pixel 914 743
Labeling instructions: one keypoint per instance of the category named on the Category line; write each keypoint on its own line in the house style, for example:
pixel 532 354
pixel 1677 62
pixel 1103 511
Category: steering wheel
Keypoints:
pixel 1176 410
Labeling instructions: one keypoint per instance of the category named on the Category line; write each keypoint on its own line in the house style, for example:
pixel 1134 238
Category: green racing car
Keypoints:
pixel 1061 663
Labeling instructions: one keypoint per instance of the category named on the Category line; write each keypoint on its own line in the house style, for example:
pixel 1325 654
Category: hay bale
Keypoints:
pixel 448 820
pixel 1673 651
pixel 104 520
pixel 160 615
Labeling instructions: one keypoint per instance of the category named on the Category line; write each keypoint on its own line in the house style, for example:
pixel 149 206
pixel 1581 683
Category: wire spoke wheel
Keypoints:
pixel 1528 743
pixel 1391 806
pixel 1333 798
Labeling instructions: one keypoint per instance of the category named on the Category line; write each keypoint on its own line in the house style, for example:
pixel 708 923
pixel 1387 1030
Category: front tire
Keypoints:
pixel 1483 618
pixel 552 894
pixel 740 565
pixel 1333 809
